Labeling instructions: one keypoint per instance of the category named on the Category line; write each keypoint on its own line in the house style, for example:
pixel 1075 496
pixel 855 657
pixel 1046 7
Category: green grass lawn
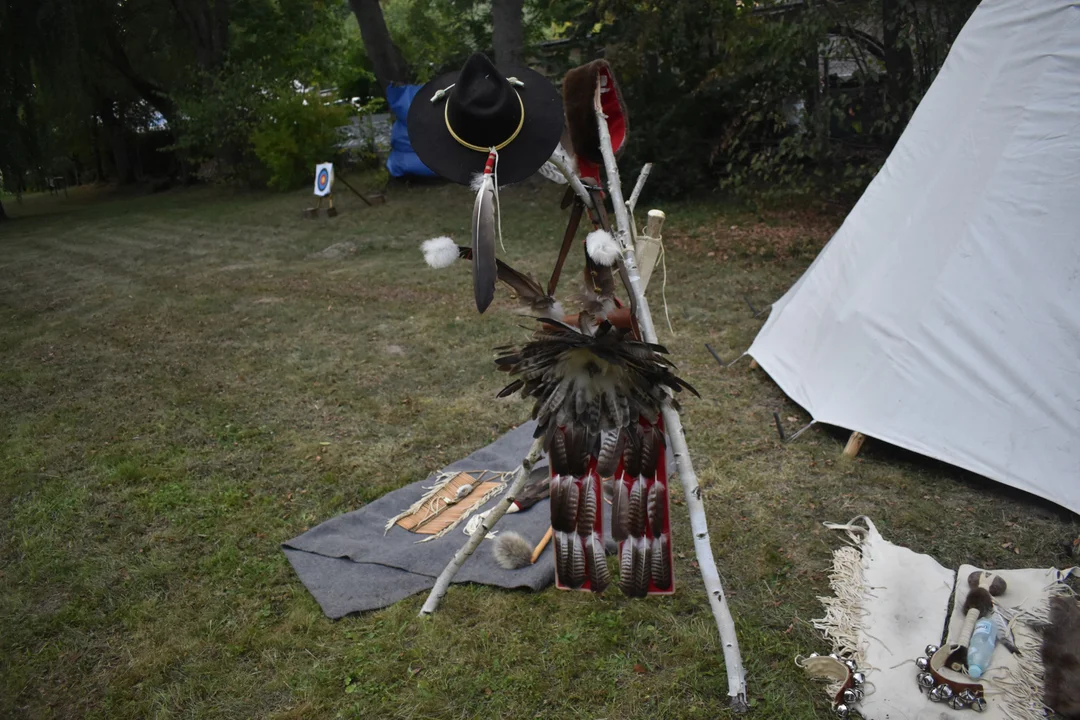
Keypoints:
pixel 182 388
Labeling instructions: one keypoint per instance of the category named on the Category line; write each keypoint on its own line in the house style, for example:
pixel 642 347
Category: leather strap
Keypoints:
pixel 939 661
pixel 605 223
pixel 568 240
pixel 568 197
pixel 597 277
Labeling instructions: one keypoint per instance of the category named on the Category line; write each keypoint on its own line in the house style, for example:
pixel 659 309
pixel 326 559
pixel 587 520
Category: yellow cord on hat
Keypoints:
pixel 479 148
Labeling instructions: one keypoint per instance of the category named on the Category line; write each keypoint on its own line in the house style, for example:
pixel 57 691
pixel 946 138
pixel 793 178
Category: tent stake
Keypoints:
pixel 854 444
pixel 673 424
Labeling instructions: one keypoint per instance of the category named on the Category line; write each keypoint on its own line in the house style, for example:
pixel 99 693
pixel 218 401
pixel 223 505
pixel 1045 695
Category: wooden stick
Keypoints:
pixel 346 182
pixel 673 425
pixel 542 544
pixel 641 178
pixel 654 223
pixel 496 513
pixel 854 444
pixel 560 160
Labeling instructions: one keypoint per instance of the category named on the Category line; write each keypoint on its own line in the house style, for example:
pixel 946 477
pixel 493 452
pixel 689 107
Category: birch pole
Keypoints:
pixel 448 573
pixel 560 160
pixel 642 177
pixel 698 524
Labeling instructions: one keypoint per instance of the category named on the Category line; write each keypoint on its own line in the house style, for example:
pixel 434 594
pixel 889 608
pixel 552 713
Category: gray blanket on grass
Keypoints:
pixel 349 564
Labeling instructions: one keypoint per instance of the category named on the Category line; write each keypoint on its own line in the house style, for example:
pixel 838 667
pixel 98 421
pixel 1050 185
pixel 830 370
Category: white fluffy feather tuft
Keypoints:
pixel 512 551
pixel 440 252
pixel 477 182
pixel 602 248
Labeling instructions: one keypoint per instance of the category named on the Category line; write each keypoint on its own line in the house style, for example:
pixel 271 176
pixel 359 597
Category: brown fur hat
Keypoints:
pixel 579 88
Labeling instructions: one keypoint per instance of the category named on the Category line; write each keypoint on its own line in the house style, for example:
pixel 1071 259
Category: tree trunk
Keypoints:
pixel 146 89
pixel 507 34
pixel 3 215
pixel 899 63
pixel 95 143
pixel 386 59
pixel 207 22
pixel 112 117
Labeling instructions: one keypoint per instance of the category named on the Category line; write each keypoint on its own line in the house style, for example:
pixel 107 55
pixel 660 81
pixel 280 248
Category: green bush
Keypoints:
pixel 296 132
pixel 218 113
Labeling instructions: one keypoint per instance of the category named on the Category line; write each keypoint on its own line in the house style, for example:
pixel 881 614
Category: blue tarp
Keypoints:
pixel 402 160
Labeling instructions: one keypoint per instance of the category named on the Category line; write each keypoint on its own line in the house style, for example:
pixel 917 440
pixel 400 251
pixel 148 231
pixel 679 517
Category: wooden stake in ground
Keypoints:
pixel 854 444
pixel 442 584
pixel 698 524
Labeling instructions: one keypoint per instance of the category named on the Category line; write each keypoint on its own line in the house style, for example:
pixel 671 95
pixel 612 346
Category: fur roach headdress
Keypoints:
pixel 579 89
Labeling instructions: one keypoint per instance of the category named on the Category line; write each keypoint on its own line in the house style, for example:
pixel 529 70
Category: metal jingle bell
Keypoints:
pixel 841 710
pixel 925 681
pixel 851 665
pixel 857 678
pixel 834 656
pixel 851 696
pixel 936 695
pixel 930 650
pixel 922 663
pixel 814 655
pixel 967 696
pixel 944 692
pixel 957 703
pixel 978 704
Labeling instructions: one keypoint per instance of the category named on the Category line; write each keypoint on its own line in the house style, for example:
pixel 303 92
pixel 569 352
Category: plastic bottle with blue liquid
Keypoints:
pixel 981 647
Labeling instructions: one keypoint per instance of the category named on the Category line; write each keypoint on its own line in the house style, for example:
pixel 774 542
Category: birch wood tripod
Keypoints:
pixel 625 235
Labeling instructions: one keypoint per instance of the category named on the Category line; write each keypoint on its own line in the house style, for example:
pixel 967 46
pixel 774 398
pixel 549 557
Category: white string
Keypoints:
pixel 663 286
pixel 856 533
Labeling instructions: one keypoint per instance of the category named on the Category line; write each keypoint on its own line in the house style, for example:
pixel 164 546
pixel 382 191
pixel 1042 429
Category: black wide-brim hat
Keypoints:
pixel 515 110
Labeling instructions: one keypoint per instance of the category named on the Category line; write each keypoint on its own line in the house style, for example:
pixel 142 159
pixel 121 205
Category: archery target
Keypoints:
pixel 324 179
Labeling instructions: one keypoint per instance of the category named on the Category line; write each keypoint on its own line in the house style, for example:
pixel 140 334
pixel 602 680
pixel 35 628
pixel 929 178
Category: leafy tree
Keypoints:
pixel 436 36
pixel 740 94
pixel 275 48
pixel 296 132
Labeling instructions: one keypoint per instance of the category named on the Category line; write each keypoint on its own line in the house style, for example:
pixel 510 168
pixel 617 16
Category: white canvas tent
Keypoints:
pixel 944 315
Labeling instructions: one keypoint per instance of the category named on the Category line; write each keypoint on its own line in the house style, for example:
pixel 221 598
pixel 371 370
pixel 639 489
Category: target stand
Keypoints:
pixel 324 184
pixel 313 212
